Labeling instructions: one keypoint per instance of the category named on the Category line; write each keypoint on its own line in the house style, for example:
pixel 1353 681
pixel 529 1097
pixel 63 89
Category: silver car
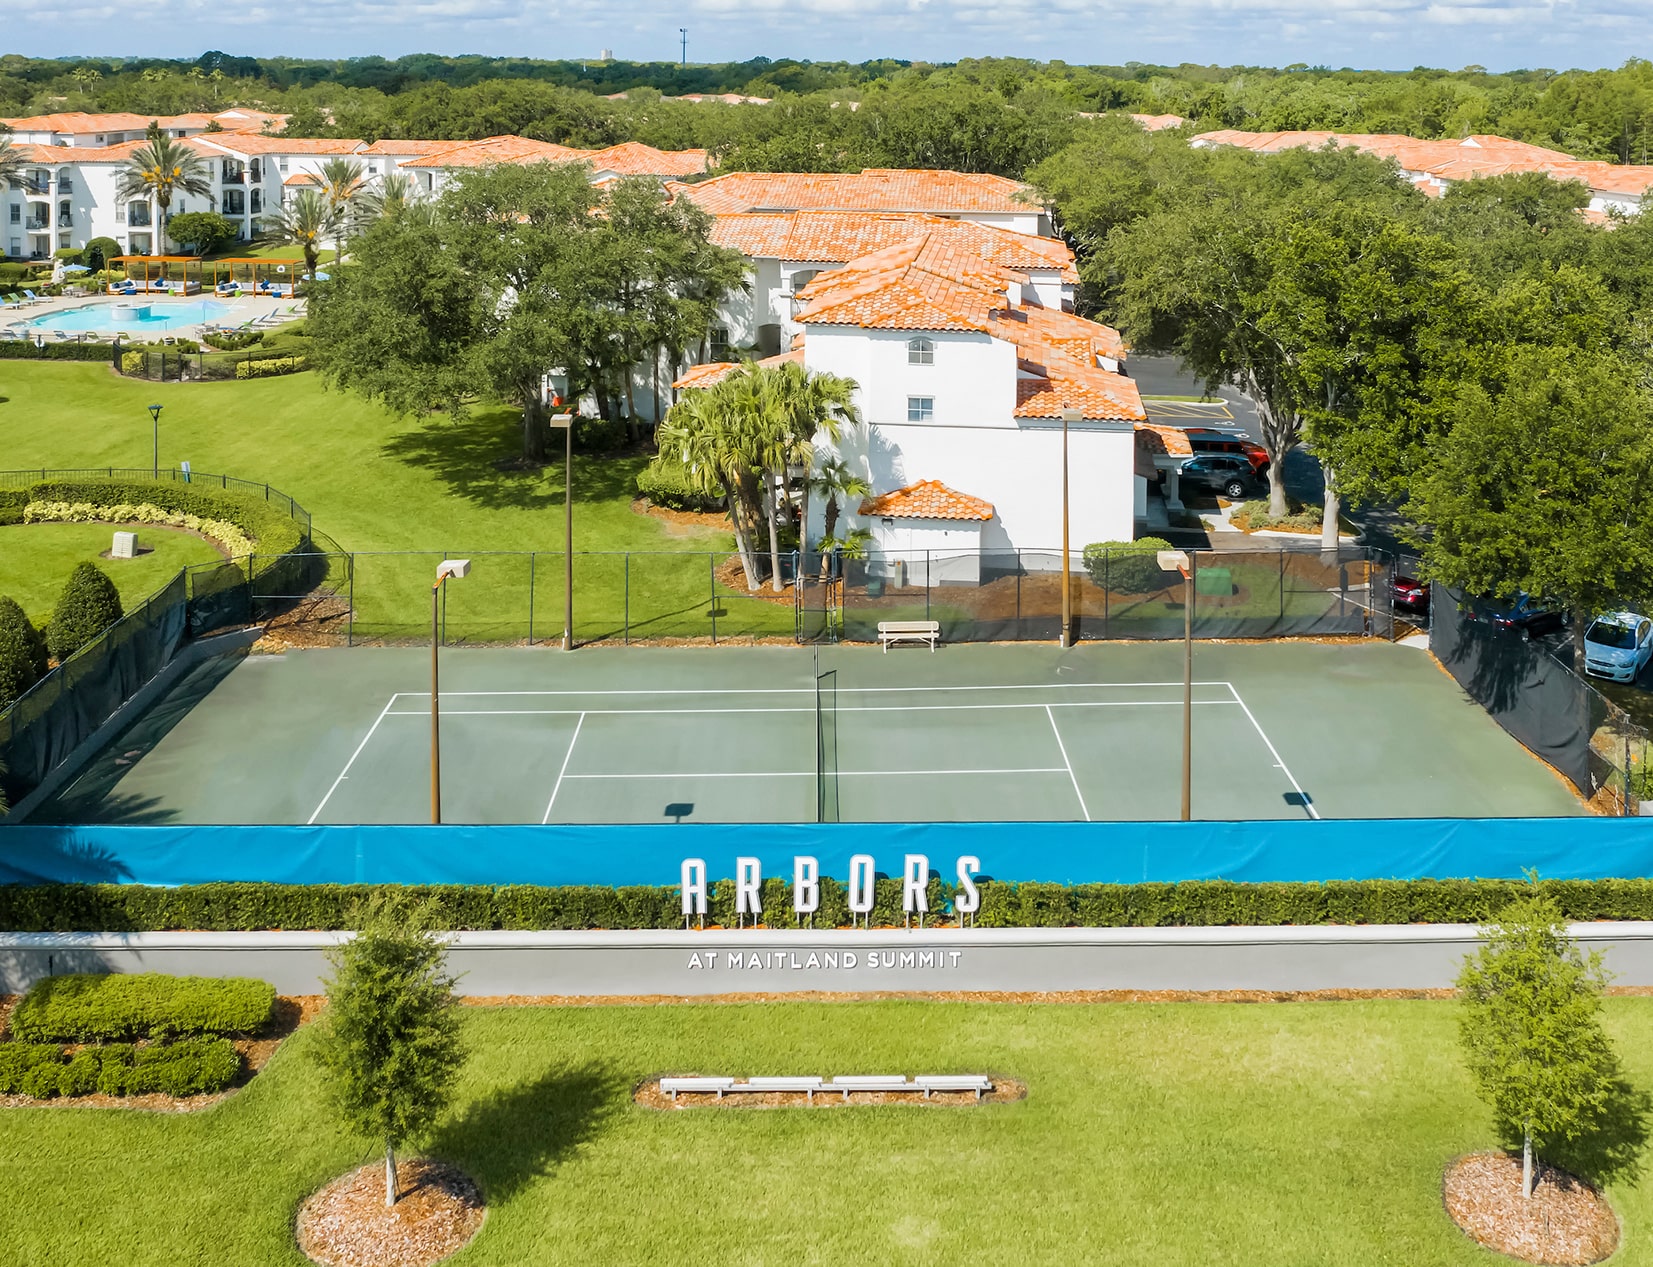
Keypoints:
pixel 1618 646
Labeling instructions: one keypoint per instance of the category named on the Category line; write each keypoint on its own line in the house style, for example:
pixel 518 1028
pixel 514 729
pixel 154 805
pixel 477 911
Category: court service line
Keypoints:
pixel 383 713
pixel 806 774
pixel 1275 752
pixel 1083 808
pixel 563 773
pixel 805 690
pixel 778 712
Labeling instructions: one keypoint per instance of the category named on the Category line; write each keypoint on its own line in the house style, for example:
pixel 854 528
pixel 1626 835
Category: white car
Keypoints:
pixel 1618 645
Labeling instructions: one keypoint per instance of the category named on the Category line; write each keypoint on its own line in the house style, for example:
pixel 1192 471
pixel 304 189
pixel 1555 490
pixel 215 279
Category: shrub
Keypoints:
pixel 22 652
pixel 132 362
pixel 194 1066
pixel 269 367
pixel 90 603
pixel 19 1060
pixel 12 501
pixel 226 534
pixel 271 530
pixel 99 251
pixel 600 435
pixel 23 350
pixel 68 254
pixel 82 1007
pixel 80 1075
pixel 1253 515
pixel 41 1082
pixel 232 342
pixel 665 482
pixel 1127 567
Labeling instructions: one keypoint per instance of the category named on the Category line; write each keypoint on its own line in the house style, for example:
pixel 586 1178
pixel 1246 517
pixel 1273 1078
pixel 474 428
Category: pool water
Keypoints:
pixel 132 315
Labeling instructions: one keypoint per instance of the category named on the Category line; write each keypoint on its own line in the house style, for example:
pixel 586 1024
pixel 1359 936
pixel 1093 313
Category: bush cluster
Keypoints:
pixel 1127 567
pixel 22 652
pixel 91 1008
pixel 270 529
pixel 1193 903
pixel 132 363
pixel 89 604
pixel 269 367
pixel 229 341
pixel 226 534
pixel 194 1066
pixel 23 350
pixel 665 482
pixel 1254 515
pixel 600 435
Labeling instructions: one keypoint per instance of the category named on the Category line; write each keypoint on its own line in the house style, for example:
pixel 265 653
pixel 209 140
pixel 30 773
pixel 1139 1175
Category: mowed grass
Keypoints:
pixel 36 559
pixel 375 482
pixel 1152 1134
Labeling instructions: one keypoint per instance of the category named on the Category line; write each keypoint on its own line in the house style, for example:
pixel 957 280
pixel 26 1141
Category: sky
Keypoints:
pixel 1375 34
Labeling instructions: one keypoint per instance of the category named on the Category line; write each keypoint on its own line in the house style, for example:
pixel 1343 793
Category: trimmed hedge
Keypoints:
pixel 232 341
pixel 1194 903
pixel 23 350
pixel 22 652
pixel 88 1008
pixel 269 367
pixel 665 482
pixel 12 502
pixel 273 530
pixel 194 1066
pixel 1127 567
pixel 89 604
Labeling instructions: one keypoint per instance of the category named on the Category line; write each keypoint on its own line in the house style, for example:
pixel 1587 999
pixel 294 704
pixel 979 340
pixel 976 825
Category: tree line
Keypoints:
pixel 1482 360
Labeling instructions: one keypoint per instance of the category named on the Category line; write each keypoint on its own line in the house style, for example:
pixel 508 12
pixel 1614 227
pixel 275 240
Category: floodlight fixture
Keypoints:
pixel 456 568
pixel 1173 561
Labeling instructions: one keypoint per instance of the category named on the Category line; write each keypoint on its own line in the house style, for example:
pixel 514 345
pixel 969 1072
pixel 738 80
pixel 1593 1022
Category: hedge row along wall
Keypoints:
pixel 1201 903
pixel 272 529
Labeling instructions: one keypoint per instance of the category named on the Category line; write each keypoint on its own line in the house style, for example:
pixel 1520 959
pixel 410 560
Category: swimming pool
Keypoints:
pixel 132 315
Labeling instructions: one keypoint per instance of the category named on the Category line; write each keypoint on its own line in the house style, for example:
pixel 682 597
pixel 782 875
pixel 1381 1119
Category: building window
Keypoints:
pixel 63 241
pixel 921 351
pixel 17 213
pixel 258 201
pixel 65 182
pixel 235 202
pixel 720 343
pixel 65 215
pixel 921 408
pixel 137 214
pixel 802 278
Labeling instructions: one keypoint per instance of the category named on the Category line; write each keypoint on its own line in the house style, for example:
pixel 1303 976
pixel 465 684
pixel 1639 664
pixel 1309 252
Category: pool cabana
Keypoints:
pixel 248 275
pixel 157 275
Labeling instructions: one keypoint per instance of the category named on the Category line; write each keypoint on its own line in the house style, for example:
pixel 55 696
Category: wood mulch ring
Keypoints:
pixel 1564 1221
pixel 346 1224
pixel 255 1049
pixel 650 1096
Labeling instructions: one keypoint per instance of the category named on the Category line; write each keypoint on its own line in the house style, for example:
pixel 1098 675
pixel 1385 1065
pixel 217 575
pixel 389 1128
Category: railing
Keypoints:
pixel 230 483
pixel 36 225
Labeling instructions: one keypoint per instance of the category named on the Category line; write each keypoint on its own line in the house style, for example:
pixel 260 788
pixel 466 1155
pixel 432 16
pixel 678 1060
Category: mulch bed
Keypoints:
pixel 346 1224
pixel 1564 1221
pixel 255 1049
pixel 650 1096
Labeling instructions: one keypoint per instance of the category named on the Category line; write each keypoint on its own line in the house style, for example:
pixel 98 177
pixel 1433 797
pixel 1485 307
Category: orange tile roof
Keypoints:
pixel 78 122
pixel 1034 329
pixel 927 499
pixel 1167 440
pixel 632 158
pixel 392 146
pixel 79 153
pixel 302 178
pixel 836 237
pixel 873 189
pixel 1158 122
pixel 500 149
pixel 716 371
pixel 251 143
pixel 910 286
pixel 1095 393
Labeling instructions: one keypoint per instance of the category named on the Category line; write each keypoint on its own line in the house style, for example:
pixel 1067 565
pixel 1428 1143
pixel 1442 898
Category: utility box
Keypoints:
pixel 125 546
pixel 1214 582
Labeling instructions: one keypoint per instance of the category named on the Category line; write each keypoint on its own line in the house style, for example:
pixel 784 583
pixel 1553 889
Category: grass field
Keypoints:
pixel 378 483
pixel 35 560
pixel 1152 1134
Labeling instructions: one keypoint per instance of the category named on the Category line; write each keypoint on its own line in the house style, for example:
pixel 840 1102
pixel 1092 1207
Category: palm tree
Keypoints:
pixel 710 430
pixel 389 196
pixel 835 480
pixel 12 163
pixel 159 170
pixel 342 182
pixel 303 222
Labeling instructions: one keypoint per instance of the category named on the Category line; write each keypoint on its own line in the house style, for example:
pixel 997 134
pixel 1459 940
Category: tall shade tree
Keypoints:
pixel 305 220
pixel 160 170
pixel 1530 1025
pixel 1545 486
pixel 342 182
pixel 389 1038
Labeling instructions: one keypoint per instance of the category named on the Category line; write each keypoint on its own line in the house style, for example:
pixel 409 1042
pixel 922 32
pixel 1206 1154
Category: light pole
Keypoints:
pixel 1068 415
pixel 566 423
pixel 454 568
pixel 155 417
pixel 1183 561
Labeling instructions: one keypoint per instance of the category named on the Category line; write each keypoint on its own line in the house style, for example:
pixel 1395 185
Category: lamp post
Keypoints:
pixel 155 417
pixel 1183 561
pixel 1068 415
pixel 565 422
pixel 454 568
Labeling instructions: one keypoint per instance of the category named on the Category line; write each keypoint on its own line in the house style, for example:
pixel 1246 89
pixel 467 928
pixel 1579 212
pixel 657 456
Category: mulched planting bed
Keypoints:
pixel 255 1051
pixel 346 1224
pixel 1564 1221
pixel 650 1096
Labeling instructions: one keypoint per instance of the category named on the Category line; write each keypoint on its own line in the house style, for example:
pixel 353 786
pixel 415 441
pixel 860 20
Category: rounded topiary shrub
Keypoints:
pixel 22 652
pixel 89 604
pixel 1127 567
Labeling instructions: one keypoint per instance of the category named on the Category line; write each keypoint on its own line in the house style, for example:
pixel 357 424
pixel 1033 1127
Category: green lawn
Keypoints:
pixel 1152 1134
pixel 378 483
pixel 36 559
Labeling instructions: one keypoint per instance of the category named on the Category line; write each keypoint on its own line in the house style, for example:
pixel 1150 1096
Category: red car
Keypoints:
pixel 1205 440
pixel 1411 593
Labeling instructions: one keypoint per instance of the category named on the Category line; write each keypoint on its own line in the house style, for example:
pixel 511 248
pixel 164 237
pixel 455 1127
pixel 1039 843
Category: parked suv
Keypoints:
pixel 1223 473
pixel 1523 614
pixel 1205 440
pixel 1618 645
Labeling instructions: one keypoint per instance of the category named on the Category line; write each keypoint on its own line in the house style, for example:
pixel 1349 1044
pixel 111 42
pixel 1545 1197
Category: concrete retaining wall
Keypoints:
pixel 1370 957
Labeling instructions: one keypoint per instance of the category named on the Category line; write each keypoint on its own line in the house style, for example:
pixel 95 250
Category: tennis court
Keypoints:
pixel 779 734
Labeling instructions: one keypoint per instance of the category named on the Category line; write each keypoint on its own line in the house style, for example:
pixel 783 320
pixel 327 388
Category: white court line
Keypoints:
pixel 1279 764
pixel 807 774
pixel 1083 808
pixel 563 773
pixel 383 713
pixel 781 712
pixel 805 690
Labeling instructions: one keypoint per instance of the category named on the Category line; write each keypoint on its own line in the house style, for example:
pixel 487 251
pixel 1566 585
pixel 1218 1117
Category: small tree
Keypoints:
pixel 1531 1030
pixel 206 231
pixel 22 652
pixel 390 1035
pixel 89 604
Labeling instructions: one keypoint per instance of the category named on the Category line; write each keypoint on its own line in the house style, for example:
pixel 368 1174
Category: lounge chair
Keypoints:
pixel 62 336
pixel 10 335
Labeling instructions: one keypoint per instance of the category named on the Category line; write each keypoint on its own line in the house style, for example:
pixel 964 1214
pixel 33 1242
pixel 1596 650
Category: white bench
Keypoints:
pixel 702 1085
pixel 954 1082
pixel 925 631
pixel 809 1086
pixel 870 1082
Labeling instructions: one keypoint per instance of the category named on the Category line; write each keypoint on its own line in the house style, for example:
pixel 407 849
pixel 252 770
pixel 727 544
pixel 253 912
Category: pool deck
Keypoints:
pixel 244 308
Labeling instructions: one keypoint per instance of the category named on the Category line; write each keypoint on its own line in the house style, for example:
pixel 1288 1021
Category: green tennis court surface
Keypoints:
pixel 729 734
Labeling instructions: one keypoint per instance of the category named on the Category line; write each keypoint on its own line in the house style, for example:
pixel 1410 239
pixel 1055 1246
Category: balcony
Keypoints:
pixel 37 224
pixel 234 178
